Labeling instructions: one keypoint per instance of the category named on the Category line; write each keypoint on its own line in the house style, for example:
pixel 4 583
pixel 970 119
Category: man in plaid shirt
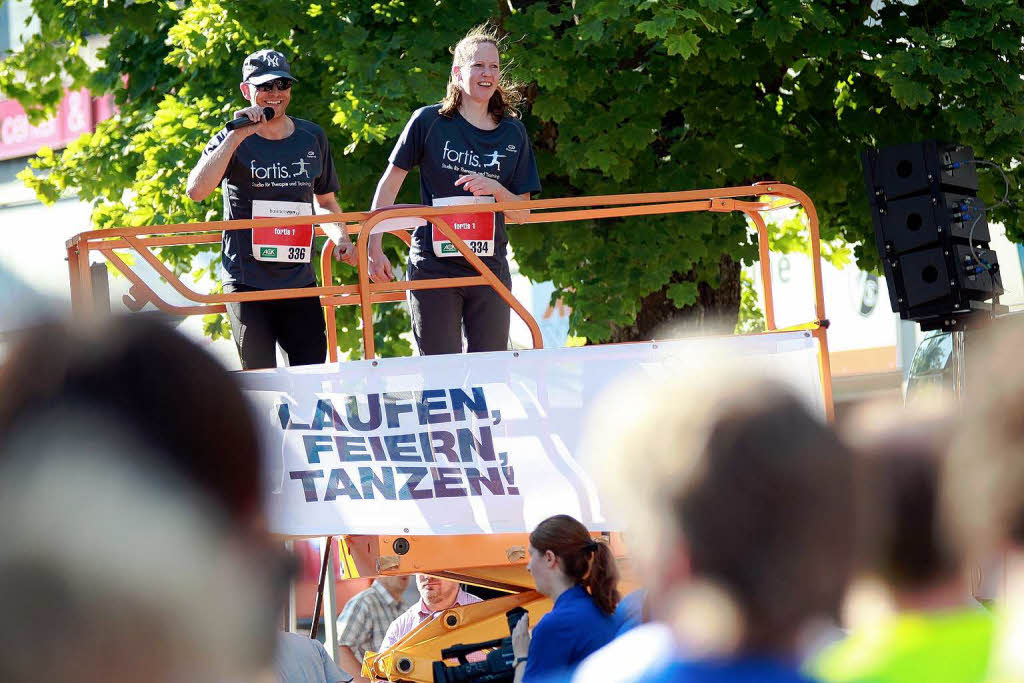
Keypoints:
pixel 365 619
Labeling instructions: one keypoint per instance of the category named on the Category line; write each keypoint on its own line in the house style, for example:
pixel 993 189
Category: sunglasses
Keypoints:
pixel 280 83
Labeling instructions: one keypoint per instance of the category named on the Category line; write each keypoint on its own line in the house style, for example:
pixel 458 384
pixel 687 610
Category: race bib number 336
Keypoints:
pixel 475 229
pixel 283 243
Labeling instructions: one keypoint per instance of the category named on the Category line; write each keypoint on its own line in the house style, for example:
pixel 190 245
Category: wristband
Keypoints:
pixel 519 660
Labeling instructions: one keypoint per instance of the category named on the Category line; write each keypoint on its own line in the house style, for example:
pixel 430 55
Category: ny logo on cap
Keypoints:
pixel 265 65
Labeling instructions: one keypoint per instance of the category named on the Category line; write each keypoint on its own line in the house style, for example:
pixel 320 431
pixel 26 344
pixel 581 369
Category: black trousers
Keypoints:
pixel 439 317
pixel 296 324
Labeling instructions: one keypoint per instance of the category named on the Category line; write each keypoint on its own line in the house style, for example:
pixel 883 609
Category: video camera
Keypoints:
pixel 499 667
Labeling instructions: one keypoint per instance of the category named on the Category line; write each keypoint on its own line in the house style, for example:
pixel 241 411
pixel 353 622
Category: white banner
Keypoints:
pixel 464 443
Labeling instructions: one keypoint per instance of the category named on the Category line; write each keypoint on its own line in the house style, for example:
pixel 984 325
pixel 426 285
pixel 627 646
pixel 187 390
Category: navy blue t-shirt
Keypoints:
pixel 446 149
pixel 289 170
pixel 739 670
pixel 574 629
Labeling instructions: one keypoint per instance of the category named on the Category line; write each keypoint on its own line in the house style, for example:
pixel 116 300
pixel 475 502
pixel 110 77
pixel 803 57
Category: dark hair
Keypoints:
pixel 766 510
pixel 898 459
pixel 146 378
pixel 506 98
pixel 584 560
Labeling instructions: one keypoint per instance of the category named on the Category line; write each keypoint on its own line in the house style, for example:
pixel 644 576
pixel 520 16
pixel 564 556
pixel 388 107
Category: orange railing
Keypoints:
pixel 750 200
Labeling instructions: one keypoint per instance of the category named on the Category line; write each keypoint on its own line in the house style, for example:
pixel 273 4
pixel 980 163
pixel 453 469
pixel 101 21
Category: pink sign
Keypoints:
pixel 103 108
pixel 19 139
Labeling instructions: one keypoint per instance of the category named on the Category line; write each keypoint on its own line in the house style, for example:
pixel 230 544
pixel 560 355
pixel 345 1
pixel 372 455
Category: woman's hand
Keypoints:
pixel 481 185
pixel 521 637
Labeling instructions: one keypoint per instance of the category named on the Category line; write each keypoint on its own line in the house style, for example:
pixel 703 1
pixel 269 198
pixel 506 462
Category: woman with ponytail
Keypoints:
pixel 579 574
pixel 470 148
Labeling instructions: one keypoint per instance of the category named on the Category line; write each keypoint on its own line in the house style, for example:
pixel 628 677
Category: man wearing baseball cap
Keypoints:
pixel 272 168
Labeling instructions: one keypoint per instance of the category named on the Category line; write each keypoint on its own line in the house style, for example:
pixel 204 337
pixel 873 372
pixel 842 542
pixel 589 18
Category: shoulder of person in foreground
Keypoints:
pixel 629 613
pixel 299 657
pixel 629 655
pixel 728 670
pixel 954 645
pixel 332 674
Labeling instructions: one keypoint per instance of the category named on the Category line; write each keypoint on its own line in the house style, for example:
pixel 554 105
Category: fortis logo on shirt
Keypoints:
pixel 276 171
pixel 467 157
pixel 471 158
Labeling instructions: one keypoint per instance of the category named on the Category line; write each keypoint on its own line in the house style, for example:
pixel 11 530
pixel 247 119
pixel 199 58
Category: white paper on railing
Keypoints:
pixel 464 443
pixel 413 222
pixel 396 224
pixel 400 223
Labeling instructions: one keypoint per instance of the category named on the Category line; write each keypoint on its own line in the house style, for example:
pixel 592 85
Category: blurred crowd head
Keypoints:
pixel 733 491
pixel 130 488
pixel 899 455
pixel 984 474
pixel 135 542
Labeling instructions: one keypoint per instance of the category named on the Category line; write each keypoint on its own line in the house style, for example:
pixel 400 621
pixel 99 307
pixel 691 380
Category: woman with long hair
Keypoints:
pixel 580 575
pixel 470 148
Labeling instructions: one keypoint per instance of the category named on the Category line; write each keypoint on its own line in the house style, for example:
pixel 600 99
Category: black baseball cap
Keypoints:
pixel 265 65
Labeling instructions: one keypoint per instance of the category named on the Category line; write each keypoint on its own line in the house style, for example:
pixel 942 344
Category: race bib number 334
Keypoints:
pixel 475 229
pixel 283 243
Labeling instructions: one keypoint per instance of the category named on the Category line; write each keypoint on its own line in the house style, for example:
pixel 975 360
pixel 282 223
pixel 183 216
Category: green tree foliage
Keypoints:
pixel 622 96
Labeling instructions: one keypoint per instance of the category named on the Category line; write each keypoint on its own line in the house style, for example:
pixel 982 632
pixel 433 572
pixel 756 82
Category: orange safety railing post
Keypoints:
pixel 819 332
pixel 330 319
pixel 819 306
pixel 765 263
pixel 83 276
pixel 72 259
pixel 363 266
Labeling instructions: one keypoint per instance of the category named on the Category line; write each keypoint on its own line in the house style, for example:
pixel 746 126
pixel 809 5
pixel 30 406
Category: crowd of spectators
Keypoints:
pixel 769 545
pixel 774 547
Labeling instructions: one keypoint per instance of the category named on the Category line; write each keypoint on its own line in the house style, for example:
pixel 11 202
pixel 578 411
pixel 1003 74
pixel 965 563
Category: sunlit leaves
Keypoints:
pixel 624 96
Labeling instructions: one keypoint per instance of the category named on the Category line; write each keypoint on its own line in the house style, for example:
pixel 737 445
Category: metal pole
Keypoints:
pixel 958 360
pixel 906 343
pixel 318 605
pixel 331 610
pixel 291 618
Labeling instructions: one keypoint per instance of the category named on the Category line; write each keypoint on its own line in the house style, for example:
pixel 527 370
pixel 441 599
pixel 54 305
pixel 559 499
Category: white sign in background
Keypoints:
pixel 465 443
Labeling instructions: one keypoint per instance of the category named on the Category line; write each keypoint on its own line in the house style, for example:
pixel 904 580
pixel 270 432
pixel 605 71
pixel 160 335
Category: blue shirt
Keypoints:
pixel 739 670
pixel 573 629
pixel 298 659
pixel 630 611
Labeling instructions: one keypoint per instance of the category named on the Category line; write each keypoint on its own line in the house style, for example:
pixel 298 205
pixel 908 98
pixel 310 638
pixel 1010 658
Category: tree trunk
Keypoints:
pixel 714 312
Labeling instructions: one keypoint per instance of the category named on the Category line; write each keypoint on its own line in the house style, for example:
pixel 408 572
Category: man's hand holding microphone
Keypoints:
pixel 247 121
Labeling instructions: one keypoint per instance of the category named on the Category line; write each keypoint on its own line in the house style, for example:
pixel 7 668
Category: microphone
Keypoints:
pixel 243 121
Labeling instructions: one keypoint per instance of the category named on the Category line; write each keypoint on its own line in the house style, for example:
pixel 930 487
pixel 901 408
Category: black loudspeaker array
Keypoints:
pixel 924 201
